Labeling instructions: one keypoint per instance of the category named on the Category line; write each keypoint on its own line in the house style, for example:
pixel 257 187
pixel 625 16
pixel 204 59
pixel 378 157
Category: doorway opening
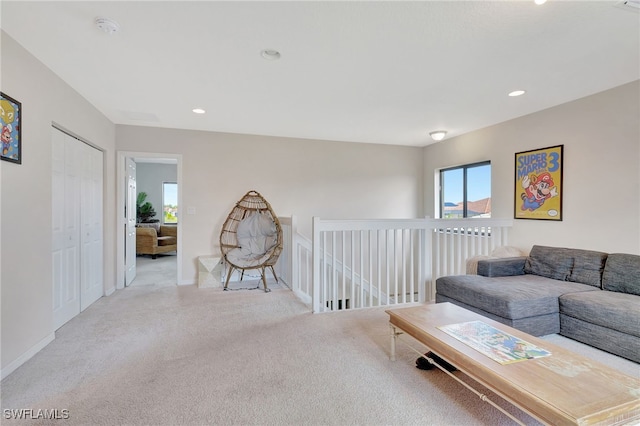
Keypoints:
pixel 152 219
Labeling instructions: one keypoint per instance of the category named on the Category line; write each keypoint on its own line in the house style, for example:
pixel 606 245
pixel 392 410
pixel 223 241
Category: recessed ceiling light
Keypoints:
pixel 270 54
pixel 539 2
pixel 438 135
pixel 517 93
pixel 107 25
pixel 198 110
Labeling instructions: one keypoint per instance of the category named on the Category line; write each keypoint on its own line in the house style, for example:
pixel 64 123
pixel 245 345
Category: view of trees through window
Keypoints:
pixel 465 191
pixel 170 202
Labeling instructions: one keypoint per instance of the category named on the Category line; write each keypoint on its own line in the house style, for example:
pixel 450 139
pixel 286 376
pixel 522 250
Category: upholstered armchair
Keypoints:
pixel 156 239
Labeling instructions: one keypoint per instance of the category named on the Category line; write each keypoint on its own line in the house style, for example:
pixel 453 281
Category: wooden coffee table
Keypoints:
pixel 561 389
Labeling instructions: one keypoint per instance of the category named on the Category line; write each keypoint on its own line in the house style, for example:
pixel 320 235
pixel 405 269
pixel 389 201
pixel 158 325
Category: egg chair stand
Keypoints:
pixel 251 238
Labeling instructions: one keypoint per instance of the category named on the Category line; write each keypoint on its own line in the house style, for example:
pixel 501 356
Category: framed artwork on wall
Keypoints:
pixel 538 184
pixel 11 136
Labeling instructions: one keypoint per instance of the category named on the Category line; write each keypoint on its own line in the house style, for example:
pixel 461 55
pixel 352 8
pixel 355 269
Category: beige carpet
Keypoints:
pixel 158 272
pixel 162 272
pixel 179 355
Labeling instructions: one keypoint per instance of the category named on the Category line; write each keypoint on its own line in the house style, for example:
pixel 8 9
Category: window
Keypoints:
pixel 169 202
pixel 465 191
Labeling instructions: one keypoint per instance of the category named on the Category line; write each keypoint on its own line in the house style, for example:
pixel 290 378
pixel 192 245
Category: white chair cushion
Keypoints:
pixel 256 235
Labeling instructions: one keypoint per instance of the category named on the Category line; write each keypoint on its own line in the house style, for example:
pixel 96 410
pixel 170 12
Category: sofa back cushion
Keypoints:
pixel 622 273
pixel 588 267
pixel 567 264
pixel 154 225
pixel 550 262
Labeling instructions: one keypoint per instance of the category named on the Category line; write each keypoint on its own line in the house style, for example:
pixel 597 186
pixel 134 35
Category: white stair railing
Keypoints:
pixel 456 240
pixel 294 265
pixel 352 264
pixel 368 263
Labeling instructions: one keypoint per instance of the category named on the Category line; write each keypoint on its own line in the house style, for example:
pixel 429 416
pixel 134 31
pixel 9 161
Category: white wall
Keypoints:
pixel 297 176
pixel 601 137
pixel 149 179
pixel 25 265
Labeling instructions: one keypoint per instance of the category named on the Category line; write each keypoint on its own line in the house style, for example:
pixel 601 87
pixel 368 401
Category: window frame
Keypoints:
pixel 163 202
pixel 465 168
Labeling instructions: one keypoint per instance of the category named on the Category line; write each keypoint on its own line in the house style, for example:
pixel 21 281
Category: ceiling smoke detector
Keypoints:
pixel 270 54
pixel 107 25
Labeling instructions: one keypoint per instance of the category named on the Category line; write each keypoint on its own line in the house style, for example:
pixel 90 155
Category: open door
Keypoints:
pixel 130 225
pixel 126 194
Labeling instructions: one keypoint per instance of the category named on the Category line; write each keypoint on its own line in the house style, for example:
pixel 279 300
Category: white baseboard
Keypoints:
pixel 13 366
pixel 110 291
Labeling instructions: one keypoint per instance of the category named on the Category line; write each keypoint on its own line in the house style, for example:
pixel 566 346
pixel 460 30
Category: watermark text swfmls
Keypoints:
pixel 35 414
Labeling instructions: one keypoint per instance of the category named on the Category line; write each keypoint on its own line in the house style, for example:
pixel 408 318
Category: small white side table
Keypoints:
pixel 209 272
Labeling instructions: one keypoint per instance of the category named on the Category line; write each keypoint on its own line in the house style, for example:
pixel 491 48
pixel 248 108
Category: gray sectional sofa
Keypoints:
pixel 588 296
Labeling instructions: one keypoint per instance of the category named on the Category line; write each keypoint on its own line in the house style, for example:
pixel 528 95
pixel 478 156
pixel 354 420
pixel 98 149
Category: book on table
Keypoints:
pixel 498 345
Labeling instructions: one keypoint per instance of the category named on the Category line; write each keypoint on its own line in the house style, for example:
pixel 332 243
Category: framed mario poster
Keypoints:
pixel 11 130
pixel 538 184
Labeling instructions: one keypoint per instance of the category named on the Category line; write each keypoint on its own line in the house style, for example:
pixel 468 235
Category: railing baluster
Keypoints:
pixel 411 268
pixel 334 275
pixel 437 249
pixel 361 280
pixel 394 234
pixel 353 270
pixel 379 261
pixel 386 267
pixel 370 268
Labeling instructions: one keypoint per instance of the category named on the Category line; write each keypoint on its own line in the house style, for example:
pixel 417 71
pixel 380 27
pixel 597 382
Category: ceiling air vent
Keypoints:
pixel 630 5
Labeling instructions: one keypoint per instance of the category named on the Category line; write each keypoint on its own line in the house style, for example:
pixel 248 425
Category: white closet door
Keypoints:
pixel 91 219
pixel 77 226
pixel 66 229
pixel 130 227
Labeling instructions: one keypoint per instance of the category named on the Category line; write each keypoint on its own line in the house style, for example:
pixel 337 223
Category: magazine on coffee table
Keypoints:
pixel 497 345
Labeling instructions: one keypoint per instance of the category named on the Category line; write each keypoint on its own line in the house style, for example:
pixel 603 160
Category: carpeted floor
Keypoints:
pixel 158 272
pixel 179 355
pixel 162 272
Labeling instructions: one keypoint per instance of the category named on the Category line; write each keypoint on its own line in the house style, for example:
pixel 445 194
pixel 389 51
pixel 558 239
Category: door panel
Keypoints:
pixel 65 206
pixel 57 223
pixel 77 224
pixel 91 219
pixel 130 227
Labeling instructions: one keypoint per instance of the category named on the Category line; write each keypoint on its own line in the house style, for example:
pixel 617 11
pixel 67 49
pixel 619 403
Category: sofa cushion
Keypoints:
pixel 511 297
pixel 567 264
pixel 613 310
pixel 550 262
pixel 505 267
pixel 154 225
pixel 588 266
pixel 622 273
pixel 620 344
pixel 539 325
pixel 167 241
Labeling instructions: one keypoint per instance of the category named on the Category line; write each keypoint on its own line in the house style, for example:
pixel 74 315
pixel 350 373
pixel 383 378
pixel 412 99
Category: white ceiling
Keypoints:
pixel 379 72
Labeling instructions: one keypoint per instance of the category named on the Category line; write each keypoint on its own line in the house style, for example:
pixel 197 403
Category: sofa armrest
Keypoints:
pixel 146 239
pixel 503 267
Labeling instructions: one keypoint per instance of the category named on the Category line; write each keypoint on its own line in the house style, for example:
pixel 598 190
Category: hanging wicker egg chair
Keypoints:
pixel 251 237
